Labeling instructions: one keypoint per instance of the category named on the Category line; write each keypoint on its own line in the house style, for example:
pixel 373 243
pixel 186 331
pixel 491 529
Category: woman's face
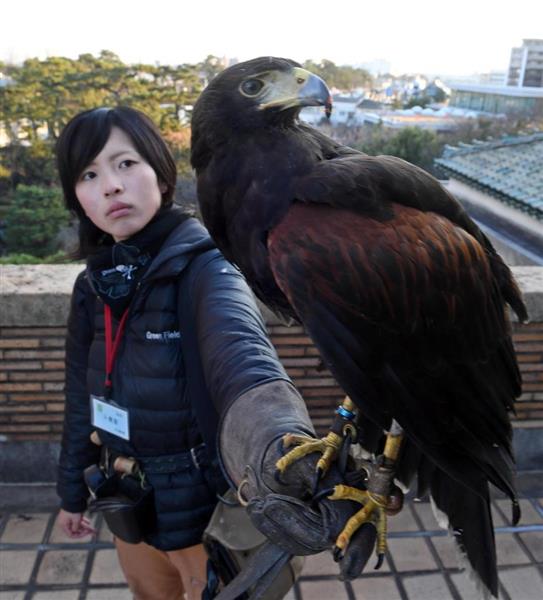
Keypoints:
pixel 119 190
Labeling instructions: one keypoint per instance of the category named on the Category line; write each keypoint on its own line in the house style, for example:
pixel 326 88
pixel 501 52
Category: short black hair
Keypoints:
pixel 83 139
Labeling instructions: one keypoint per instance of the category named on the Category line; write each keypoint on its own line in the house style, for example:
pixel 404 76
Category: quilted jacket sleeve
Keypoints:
pixel 77 451
pixel 235 350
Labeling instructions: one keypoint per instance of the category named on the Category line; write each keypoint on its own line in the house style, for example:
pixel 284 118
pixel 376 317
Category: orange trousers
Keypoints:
pixel 153 574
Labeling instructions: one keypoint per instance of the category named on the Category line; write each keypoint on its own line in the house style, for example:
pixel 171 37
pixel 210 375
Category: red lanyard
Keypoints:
pixel 112 345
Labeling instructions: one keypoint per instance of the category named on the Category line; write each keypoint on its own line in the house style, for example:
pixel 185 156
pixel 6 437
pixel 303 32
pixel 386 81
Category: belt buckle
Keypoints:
pixel 194 457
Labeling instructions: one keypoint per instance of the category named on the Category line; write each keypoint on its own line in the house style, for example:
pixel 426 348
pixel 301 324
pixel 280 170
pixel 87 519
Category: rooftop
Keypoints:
pixel 508 168
pixel 500 90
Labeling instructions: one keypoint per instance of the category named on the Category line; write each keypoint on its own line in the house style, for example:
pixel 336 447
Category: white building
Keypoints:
pixel 526 65
pixel 344 111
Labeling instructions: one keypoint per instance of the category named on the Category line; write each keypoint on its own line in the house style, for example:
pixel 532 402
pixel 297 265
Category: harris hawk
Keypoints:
pixel 403 295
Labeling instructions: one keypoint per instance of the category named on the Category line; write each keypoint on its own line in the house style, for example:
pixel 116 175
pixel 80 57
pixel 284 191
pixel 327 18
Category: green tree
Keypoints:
pixel 421 101
pixel 44 94
pixel 343 78
pixel 210 67
pixel 416 145
pixel 33 220
pixel 31 164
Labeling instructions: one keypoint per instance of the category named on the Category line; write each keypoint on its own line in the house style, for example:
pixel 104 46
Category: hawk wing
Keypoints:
pixel 409 317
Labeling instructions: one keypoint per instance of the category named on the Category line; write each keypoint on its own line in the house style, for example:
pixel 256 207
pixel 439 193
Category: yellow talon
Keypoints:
pixel 376 500
pixel 354 523
pixel 291 439
pixel 382 532
pixel 345 492
pixel 305 445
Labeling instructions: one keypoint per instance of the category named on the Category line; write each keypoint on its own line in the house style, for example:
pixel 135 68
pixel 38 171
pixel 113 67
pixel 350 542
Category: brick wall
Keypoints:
pixel 322 394
pixel 528 341
pixel 31 382
pixel 32 375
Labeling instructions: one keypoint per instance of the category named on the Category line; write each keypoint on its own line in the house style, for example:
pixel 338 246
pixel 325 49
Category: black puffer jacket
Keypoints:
pixel 150 376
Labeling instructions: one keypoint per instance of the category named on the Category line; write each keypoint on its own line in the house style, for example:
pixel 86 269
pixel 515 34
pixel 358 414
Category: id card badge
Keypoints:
pixel 109 417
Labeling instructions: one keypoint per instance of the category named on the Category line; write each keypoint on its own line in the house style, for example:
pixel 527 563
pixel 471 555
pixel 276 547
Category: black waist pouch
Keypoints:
pixel 126 501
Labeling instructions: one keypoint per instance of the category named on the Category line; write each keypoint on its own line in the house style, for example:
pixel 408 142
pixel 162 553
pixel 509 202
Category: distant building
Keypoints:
pixel 488 78
pixel 497 99
pixel 344 111
pixel 493 78
pixel 526 65
pixel 436 90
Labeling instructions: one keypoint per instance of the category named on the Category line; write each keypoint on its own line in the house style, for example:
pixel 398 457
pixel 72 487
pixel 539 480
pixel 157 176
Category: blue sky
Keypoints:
pixel 458 37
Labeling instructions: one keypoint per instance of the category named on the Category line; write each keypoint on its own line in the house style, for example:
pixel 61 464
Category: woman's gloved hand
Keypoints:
pixel 251 443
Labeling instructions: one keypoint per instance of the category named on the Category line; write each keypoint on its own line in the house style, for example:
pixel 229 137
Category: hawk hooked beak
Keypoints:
pixel 297 87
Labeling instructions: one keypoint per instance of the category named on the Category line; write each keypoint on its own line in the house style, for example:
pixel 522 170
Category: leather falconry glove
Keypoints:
pixel 250 443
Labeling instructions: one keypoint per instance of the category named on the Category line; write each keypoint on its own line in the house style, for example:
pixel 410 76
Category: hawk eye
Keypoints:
pixel 251 87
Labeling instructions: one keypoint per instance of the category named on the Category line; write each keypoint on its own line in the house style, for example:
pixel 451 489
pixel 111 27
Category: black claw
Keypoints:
pixel 318 477
pixel 516 512
pixel 337 554
pixel 344 454
pixel 277 477
pixel 380 561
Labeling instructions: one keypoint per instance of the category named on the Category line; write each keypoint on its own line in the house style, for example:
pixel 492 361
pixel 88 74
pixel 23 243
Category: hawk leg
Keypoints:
pixel 342 432
pixel 380 498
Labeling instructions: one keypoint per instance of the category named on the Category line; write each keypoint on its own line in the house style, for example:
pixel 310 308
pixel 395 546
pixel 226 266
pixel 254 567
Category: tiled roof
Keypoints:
pixel 510 169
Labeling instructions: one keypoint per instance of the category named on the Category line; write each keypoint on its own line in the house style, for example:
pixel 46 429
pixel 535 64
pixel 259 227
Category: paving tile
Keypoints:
pixel 323 564
pixel 62 566
pixel 403 521
pixel 426 515
pixel 105 535
pixel 375 588
pixel 411 554
pixel 497 518
pixel 523 583
pixel 290 596
pixel 25 529
pixel 447 550
pixel 58 595
pixel 12 595
pixel 529 515
pixel 328 589
pixel 16 566
pixel 320 564
pixel 466 586
pixel 106 568
pixel 109 594
pixel 59 537
pixel 427 587
pixel 509 551
pixel 534 541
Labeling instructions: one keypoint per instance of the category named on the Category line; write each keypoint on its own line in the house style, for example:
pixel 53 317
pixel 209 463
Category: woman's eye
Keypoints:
pixel 251 87
pixel 88 175
pixel 127 163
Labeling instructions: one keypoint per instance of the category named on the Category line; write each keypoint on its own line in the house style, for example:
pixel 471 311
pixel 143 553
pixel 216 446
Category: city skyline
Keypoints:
pixel 458 39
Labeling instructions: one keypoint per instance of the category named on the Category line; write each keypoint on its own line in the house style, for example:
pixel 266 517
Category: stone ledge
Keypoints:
pixel 39 295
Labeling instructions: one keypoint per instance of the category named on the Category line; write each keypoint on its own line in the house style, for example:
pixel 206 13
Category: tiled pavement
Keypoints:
pixel 38 563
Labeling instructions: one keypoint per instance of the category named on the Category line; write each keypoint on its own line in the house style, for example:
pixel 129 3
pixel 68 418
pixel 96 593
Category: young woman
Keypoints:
pixel 151 269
